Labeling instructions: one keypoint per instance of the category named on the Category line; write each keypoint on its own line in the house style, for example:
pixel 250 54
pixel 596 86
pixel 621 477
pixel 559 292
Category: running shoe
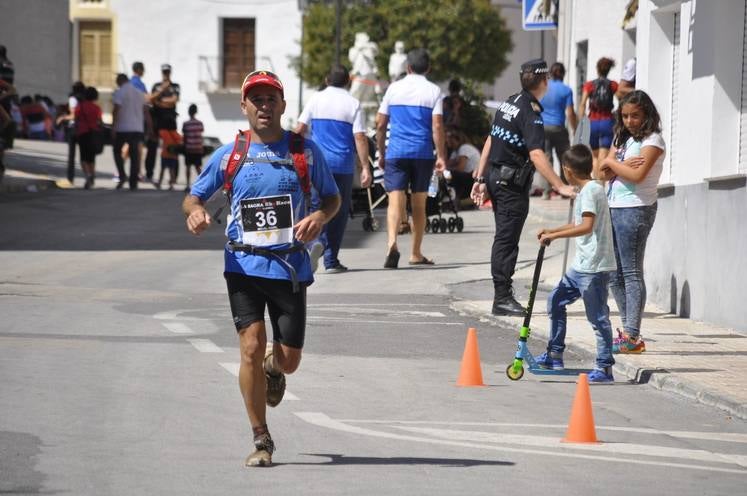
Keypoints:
pixel 599 376
pixel 624 344
pixel 546 361
pixel 263 449
pixel 336 269
pixel 315 251
pixel 275 382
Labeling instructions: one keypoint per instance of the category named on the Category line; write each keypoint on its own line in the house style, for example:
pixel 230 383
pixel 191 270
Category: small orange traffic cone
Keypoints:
pixel 581 424
pixel 471 372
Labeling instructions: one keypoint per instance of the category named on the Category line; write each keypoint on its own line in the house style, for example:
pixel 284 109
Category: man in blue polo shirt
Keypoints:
pixel 412 108
pixel 557 104
pixel 336 124
pixel 266 265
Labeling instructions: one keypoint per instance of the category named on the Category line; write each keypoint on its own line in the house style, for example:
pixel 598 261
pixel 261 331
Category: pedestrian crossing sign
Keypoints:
pixel 539 14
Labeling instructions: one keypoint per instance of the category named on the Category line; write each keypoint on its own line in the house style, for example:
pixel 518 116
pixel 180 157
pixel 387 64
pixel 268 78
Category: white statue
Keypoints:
pixel 397 61
pixel 364 75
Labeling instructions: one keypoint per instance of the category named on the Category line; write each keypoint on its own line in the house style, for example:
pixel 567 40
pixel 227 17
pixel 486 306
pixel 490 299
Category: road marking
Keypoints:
pixel 359 321
pixel 177 327
pixel 233 368
pixel 553 442
pixel 352 309
pixel 730 437
pixel 561 450
pixel 205 346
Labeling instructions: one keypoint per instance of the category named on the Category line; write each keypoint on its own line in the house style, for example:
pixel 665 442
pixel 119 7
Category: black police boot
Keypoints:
pixel 507 305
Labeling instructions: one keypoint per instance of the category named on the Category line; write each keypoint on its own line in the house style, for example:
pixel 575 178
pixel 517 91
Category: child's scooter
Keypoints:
pixel 515 371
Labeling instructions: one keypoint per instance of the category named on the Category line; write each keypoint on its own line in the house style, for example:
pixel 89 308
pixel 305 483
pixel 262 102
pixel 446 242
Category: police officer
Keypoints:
pixel 512 151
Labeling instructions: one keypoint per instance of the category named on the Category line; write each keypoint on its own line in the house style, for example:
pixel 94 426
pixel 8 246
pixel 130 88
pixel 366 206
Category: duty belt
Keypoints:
pixel 266 252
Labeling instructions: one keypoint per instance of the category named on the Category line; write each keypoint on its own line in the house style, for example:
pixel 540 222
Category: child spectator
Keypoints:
pixel 87 125
pixel 633 169
pixel 193 151
pixel 36 120
pixel 171 142
pixel 589 275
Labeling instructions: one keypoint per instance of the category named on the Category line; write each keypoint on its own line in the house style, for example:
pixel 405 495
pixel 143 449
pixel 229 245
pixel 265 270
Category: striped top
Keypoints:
pixel 192 131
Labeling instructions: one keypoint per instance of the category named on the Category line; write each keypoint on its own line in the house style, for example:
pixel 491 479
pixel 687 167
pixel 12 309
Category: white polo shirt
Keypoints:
pixel 334 116
pixel 411 104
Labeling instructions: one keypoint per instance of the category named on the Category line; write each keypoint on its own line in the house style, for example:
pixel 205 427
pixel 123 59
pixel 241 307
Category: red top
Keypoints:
pixel 87 117
pixel 596 114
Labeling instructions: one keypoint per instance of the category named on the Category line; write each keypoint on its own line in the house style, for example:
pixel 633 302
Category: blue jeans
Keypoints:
pixel 630 228
pixel 335 228
pixel 593 289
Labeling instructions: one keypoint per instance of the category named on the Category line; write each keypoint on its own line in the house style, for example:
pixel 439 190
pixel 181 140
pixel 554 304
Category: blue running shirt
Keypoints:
pixel 411 104
pixel 268 171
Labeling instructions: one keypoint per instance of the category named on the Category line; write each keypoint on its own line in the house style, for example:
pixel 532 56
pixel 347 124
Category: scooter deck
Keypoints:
pixel 541 371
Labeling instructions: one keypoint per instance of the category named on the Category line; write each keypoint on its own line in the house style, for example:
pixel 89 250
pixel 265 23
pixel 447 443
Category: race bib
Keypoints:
pixel 267 221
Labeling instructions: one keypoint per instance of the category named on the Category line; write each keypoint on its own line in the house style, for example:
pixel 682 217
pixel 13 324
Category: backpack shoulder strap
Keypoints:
pixel 300 162
pixel 236 159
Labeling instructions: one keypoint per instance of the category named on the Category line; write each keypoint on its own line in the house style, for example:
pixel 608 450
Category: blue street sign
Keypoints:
pixel 539 14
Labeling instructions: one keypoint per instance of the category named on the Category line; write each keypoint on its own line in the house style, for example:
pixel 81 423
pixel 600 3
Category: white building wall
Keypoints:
pixel 180 31
pixel 694 257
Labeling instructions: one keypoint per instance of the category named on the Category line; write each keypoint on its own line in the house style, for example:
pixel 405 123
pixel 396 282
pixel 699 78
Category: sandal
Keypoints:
pixel 423 261
pixel 392 260
pixel 404 228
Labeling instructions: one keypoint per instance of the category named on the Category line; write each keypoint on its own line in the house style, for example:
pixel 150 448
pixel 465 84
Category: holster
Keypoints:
pixel 518 177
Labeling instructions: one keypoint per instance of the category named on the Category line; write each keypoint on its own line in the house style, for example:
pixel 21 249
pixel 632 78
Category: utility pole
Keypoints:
pixel 338 29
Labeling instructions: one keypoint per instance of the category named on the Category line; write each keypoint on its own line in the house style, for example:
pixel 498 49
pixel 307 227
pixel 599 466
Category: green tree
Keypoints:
pixel 465 38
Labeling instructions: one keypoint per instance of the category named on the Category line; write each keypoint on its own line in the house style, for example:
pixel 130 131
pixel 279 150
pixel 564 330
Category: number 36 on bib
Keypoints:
pixel 267 221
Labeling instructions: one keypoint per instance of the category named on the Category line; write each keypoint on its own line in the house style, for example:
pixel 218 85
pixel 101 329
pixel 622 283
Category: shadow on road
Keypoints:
pixel 336 459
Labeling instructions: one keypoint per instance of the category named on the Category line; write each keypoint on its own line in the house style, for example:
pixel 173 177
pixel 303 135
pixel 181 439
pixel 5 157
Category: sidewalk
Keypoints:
pixel 694 359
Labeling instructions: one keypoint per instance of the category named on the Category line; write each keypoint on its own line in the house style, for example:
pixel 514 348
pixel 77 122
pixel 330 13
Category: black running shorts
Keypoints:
pixel 248 296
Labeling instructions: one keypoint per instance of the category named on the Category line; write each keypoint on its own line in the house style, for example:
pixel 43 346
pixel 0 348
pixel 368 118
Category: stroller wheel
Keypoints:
pixel 427 226
pixel 374 224
pixel 452 224
pixel 434 225
pixel 367 224
pixel 459 224
pixel 443 225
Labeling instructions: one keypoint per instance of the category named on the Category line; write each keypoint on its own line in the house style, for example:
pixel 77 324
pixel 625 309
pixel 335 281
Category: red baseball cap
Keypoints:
pixel 261 78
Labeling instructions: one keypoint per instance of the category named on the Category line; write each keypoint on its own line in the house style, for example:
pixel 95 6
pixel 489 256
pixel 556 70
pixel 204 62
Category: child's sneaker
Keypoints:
pixel 599 376
pixel 546 361
pixel 625 344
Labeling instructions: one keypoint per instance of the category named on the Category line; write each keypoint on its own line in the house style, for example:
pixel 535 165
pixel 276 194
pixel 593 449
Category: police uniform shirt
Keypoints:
pixel 517 129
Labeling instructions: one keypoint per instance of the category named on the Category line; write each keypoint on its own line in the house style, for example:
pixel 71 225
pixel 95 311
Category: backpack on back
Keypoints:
pixel 601 95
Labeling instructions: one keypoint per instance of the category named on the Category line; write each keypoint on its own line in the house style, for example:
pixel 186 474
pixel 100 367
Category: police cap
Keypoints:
pixel 535 66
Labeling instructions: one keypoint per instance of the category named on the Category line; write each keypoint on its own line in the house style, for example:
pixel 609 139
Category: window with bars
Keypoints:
pixel 96 53
pixel 238 50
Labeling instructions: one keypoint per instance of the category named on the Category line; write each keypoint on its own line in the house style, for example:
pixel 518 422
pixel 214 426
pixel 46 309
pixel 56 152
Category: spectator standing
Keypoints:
pixel 633 170
pixel 170 143
pixel 7 69
pixel 7 125
pixel 128 116
pixel 336 122
pixel 589 275
pixel 87 124
pixel 192 130
pixel 453 105
pixel 557 105
pixel 163 96
pixel 515 147
pixel 412 108
pixel 138 69
pixel 598 94
pixel 77 95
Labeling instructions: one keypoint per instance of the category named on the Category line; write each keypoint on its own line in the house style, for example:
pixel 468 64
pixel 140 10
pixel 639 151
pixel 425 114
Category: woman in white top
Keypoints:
pixel 633 168
pixel 463 161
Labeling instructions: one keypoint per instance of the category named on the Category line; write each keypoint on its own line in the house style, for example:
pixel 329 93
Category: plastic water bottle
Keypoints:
pixel 433 186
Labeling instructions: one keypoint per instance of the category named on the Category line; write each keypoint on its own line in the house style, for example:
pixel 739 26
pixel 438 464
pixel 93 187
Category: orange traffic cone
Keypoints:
pixel 471 373
pixel 581 424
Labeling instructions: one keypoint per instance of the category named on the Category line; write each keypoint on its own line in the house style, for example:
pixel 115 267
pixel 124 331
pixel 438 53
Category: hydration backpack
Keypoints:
pixel 601 95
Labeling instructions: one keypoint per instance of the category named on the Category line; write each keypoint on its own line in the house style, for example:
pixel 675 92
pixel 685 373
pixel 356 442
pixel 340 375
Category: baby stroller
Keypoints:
pixel 434 207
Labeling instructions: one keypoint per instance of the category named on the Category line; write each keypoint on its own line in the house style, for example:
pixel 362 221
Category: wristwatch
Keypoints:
pixel 480 179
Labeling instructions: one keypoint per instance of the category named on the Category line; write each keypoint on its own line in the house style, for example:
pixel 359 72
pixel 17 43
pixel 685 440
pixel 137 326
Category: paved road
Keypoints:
pixel 118 363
